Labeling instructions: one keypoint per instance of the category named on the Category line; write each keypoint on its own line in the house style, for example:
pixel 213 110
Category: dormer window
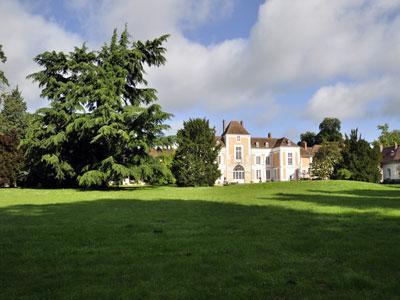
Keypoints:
pixel 257 144
pixel 266 144
pixel 238 138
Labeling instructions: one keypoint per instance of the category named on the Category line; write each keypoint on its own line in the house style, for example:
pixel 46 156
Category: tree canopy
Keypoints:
pixel 195 162
pixel 308 137
pixel 13 114
pixel 3 59
pixel 360 160
pixel 387 137
pixel 102 120
pixel 329 131
pixel 326 160
pixel 13 118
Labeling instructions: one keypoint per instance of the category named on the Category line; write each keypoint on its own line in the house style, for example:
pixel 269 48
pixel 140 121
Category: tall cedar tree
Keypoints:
pixel 360 159
pixel 195 161
pixel 102 120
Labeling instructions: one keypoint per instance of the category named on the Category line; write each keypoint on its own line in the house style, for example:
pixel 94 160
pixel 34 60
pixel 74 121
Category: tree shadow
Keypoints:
pixel 364 193
pixel 194 249
pixel 358 199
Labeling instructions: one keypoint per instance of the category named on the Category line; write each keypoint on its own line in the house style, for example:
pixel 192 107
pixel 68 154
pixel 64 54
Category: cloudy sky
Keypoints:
pixel 279 65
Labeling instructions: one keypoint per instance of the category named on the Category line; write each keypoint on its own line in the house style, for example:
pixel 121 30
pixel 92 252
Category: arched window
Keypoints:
pixel 238 172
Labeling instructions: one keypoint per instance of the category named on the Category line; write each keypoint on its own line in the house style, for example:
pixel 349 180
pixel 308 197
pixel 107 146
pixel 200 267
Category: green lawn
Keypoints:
pixel 279 240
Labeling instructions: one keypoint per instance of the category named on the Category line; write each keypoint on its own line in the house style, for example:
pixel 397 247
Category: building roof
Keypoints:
pixel 271 142
pixel 235 127
pixel 309 151
pixel 390 154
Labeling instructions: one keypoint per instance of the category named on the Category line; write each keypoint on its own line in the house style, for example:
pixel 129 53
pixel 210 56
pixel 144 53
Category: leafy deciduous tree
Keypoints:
pixel 329 131
pixel 387 138
pixel 195 162
pixel 326 160
pixel 308 137
pixel 3 59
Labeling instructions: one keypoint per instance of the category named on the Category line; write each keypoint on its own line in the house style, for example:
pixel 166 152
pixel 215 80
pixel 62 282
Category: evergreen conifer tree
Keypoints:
pixel 360 159
pixel 102 120
pixel 195 161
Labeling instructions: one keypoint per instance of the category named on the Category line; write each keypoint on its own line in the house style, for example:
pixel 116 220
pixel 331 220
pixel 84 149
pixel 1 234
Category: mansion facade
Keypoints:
pixel 247 159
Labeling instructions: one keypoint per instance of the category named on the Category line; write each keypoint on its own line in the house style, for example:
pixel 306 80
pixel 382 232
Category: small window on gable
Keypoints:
pixel 238 138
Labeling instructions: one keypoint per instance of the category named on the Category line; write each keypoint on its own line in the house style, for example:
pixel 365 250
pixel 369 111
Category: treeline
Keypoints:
pixel 348 157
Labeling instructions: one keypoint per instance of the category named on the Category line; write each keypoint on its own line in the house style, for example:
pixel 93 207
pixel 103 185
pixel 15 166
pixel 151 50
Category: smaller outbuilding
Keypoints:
pixel 391 163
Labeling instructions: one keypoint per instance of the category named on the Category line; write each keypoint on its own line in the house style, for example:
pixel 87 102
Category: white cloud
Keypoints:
pixel 24 36
pixel 293 43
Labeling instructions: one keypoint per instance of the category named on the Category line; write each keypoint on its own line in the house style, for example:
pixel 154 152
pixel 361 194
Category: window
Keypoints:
pixel 268 174
pixel 258 174
pixel 268 160
pixel 290 159
pixel 238 152
pixel 389 173
pixel 258 160
pixel 238 138
pixel 238 172
pixel 219 160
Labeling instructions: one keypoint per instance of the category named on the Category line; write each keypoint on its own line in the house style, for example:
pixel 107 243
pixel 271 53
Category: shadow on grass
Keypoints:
pixel 194 249
pixel 359 199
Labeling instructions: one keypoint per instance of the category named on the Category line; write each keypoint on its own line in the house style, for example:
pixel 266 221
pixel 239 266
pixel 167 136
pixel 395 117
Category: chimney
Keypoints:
pixel 241 123
pixel 223 125
pixel 304 145
pixel 269 135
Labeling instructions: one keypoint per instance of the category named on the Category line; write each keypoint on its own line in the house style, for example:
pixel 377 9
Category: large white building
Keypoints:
pixel 246 159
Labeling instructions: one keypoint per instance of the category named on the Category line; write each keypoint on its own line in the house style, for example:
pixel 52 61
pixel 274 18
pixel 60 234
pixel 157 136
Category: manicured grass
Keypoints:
pixel 279 240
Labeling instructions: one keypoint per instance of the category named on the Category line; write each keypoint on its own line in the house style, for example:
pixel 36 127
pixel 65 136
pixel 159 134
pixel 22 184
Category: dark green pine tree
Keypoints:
pixel 3 59
pixel 102 120
pixel 360 160
pixel 195 161
pixel 13 114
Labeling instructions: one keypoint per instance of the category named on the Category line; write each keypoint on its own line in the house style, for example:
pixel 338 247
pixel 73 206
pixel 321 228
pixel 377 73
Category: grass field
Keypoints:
pixel 279 240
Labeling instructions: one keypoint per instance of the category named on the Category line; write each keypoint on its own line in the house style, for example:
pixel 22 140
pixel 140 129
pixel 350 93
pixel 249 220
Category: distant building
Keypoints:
pixel 391 163
pixel 246 159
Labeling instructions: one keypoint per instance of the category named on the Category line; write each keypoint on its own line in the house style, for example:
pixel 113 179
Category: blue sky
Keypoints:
pixel 281 66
